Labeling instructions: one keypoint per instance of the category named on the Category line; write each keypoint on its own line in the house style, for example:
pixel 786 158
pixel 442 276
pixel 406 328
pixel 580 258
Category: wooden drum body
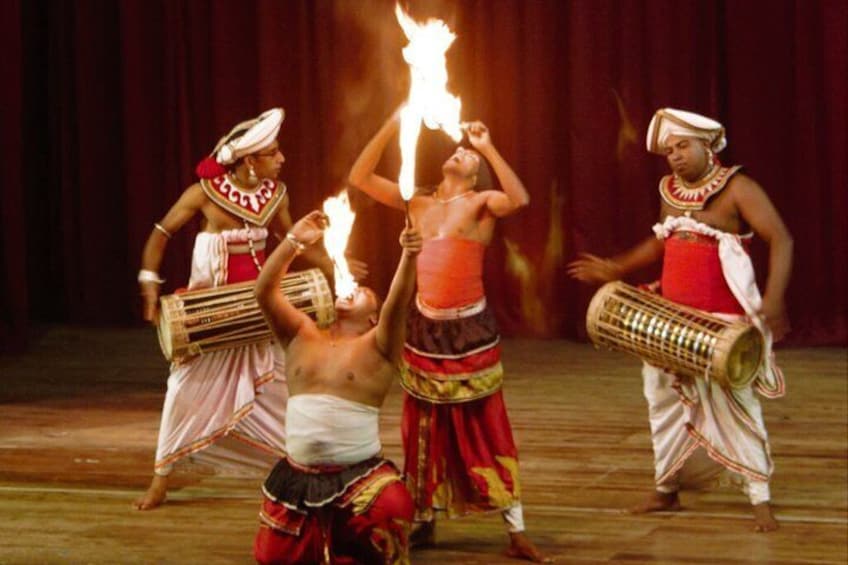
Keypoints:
pixel 683 340
pixel 228 316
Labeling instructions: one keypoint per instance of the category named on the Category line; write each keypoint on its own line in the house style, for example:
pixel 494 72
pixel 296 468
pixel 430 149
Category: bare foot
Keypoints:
pixel 155 494
pixel 520 547
pixel 423 534
pixel 764 520
pixel 658 502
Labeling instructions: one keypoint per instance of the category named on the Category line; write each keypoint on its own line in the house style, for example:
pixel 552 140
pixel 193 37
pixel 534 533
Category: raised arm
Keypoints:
pixel 315 254
pixel 283 318
pixel 514 195
pixel 756 208
pixel 392 321
pixel 362 174
pixel 189 204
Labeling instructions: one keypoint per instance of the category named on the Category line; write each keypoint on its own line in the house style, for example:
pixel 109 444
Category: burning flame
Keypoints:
pixel 337 209
pixel 429 101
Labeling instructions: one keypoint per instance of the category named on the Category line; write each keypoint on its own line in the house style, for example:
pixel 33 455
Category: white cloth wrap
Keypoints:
pixel 209 260
pixel 670 121
pixel 698 429
pixel 738 272
pixel 232 394
pixel 328 430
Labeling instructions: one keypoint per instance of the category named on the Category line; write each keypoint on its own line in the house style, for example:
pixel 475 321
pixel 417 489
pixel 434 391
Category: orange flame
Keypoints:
pixel 429 102
pixel 337 209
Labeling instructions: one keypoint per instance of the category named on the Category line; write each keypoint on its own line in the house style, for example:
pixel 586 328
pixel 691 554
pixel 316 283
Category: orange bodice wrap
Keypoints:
pixel 450 272
pixel 692 274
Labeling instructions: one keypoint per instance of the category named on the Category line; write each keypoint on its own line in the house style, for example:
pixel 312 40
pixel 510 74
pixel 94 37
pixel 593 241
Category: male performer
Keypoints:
pixel 334 497
pixel 459 453
pixel 239 393
pixel 698 428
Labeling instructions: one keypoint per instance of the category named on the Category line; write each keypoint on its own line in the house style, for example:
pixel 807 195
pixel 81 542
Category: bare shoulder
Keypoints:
pixel 741 185
pixel 194 194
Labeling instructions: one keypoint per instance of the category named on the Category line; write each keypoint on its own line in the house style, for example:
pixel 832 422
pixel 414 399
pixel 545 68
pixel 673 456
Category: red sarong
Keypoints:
pixel 366 522
pixel 460 458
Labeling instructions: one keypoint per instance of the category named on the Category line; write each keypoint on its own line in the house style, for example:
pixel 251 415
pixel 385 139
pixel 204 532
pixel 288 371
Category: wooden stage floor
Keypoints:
pixel 80 413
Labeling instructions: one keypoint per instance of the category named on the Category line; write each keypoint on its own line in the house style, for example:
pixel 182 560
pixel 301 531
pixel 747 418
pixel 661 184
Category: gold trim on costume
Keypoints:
pixel 255 205
pixel 449 389
pixel 683 196
pixel 499 496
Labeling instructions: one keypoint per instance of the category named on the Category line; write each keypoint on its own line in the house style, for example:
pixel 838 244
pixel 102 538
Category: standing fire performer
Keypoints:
pixel 459 454
pixel 699 428
pixel 238 393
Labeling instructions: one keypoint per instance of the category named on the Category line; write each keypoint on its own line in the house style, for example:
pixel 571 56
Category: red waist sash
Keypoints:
pixel 692 275
pixel 450 272
pixel 240 266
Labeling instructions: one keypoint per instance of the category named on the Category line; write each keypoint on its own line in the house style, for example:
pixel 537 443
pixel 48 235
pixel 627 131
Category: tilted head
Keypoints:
pixel 468 164
pixel 361 308
pixel 687 140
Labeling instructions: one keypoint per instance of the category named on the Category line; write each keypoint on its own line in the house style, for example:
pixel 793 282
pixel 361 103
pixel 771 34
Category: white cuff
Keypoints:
pixel 146 276
pixel 514 518
pixel 299 246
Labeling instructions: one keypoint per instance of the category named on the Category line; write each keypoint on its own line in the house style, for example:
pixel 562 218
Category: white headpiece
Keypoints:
pixel 249 137
pixel 668 121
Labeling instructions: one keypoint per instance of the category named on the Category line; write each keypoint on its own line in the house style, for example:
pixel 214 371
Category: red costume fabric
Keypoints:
pixel 450 272
pixel 459 453
pixel 692 274
pixel 334 515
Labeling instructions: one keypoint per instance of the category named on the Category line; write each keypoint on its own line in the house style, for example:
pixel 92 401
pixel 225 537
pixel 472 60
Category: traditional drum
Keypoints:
pixel 228 316
pixel 680 339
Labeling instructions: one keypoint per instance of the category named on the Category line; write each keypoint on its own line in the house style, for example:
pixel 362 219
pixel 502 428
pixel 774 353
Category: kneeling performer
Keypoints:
pixel 334 496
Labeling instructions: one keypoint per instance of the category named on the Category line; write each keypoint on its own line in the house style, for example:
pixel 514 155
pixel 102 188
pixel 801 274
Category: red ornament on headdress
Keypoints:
pixel 209 168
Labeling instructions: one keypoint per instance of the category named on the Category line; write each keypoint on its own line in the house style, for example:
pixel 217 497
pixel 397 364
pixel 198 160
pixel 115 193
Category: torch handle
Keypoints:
pixel 406 205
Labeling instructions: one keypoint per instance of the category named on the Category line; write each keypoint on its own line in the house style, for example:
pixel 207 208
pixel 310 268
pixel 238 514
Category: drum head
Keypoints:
pixel 745 358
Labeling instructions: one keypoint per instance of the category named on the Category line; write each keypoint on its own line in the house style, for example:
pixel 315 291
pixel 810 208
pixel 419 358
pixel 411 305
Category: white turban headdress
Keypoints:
pixel 668 121
pixel 249 137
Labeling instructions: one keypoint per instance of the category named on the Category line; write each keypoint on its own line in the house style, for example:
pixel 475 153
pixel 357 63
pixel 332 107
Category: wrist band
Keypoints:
pixel 299 246
pixel 147 276
pixel 165 232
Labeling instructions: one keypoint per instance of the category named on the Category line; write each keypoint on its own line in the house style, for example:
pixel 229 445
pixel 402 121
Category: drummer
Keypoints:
pixel 699 429
pixel 235 397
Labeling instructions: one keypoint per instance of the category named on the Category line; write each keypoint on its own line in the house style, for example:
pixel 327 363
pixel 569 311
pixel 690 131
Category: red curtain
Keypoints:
pixel 108 106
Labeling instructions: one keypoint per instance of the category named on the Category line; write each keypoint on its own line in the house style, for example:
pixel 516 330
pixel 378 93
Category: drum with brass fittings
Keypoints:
pixel 198 321
pixel 683 340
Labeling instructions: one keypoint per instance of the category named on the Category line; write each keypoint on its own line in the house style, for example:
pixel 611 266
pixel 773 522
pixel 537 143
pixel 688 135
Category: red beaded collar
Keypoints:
pixel 256 205
pixel 684 196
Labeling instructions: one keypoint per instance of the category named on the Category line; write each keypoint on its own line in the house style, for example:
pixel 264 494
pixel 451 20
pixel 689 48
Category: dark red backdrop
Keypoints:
pixel 107 106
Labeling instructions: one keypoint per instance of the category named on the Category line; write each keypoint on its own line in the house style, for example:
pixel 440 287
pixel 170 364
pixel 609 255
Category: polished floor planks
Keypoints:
pixel 80 412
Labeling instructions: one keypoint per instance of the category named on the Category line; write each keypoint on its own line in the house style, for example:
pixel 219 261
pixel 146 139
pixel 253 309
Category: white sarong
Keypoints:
pixel 233 394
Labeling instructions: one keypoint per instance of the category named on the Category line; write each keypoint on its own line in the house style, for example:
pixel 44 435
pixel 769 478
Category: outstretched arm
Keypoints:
pixel 593 269
pixel 514 195
pixel 283 318
pixel 189 204
pixel 362 174
pixel 391 325
pixel 756 208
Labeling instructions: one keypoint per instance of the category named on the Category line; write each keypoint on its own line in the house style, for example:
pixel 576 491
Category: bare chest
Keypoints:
pixel 462 217
pixel 720 213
